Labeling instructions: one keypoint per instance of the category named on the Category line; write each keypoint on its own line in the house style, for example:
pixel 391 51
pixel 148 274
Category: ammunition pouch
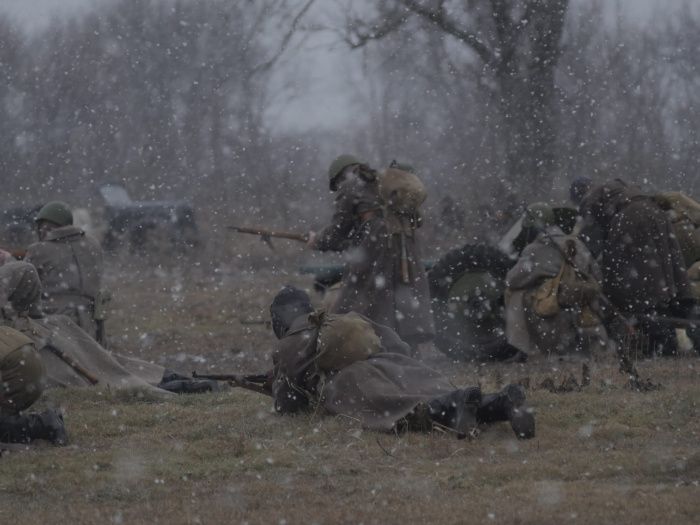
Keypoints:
pixel 546 298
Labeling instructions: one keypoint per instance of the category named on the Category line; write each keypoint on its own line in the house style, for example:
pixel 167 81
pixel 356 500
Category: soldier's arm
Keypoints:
pixel 335 236
pixel 32 258
pixel 289 390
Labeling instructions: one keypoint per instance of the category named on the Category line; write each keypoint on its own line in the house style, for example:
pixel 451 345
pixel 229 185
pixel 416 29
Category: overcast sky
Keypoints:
pixel 35 13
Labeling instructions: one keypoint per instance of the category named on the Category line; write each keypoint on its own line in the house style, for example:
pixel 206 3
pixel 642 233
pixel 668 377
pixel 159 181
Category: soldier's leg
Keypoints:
pixel 662 338
pixel 457 410
pixel 25 428
pixel 508 405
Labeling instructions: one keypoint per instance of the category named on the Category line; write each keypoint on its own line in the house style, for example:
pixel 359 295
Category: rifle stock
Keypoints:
pixel 17 253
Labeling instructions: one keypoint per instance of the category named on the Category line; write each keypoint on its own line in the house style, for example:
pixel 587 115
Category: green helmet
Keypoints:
pixel 539 215
pixel 56 212
pixel 338 165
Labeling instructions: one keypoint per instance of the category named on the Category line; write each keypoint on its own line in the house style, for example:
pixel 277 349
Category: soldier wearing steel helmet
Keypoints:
pixel 69 263
pixel 374 284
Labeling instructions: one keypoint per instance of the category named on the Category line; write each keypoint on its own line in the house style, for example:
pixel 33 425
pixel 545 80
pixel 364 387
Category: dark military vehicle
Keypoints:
pixel 134 221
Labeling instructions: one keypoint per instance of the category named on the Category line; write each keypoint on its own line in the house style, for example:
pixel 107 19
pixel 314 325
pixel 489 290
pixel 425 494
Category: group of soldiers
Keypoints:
pixel 581 292
pixel 626 275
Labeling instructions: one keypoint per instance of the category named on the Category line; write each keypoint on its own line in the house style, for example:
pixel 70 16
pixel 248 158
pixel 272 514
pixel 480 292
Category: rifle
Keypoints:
pixel 267 235
pixel 252 382
pixel 17 253
pixel 255 322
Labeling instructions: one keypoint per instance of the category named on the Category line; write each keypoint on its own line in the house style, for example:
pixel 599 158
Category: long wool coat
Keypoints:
pixel 377 392
pixel 372 281
pixel 643 268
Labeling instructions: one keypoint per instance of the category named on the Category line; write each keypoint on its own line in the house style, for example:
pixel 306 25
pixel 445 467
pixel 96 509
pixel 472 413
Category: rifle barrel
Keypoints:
pixel 254 383
pixel 262 322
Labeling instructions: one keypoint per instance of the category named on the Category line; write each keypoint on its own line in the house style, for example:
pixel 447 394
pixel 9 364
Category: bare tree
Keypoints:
pixel 517 44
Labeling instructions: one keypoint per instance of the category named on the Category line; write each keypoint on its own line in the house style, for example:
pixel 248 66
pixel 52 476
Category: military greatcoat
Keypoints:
pixel 373 283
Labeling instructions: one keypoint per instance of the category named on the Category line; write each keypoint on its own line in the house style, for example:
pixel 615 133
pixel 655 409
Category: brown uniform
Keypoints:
pixel 372 282
pixel 69 264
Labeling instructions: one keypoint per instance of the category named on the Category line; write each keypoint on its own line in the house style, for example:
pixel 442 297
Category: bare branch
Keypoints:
pixel 437 17
pixel 357 38
pixel 287 38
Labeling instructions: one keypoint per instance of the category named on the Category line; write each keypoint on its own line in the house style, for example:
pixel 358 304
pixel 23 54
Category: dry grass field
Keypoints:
pixel 603 454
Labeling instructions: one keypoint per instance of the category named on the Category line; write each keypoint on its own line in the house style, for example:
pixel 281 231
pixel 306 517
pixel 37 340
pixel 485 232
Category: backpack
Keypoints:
pixel 402 192
pixel 343 339
pixel 685 218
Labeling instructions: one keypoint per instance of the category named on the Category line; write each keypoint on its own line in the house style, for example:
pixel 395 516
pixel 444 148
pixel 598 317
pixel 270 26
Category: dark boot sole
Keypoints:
pixel 522 422
pixel 466 420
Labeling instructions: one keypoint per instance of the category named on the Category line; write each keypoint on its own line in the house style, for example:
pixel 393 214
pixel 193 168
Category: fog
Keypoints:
pixel 218 103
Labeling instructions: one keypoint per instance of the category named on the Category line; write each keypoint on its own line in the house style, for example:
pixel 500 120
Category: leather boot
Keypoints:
pixel 50 426
pixel 508 405
pixel 25 428
pixel 14 429
pixel 457 410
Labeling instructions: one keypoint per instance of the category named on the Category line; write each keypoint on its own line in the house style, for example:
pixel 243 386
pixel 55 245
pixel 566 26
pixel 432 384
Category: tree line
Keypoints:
pixel 513 97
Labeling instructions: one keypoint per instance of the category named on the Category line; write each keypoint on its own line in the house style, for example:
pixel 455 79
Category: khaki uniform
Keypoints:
pixel 573 326
pixel 19 289
pixel 372 280
pixel 22 373
pixel 69 264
